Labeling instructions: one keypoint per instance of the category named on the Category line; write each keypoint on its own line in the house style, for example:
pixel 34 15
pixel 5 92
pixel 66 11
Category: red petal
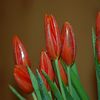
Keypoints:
pixel 98 24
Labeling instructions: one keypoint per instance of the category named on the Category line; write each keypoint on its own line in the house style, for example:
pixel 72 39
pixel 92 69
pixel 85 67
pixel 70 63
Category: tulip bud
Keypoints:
pixel 68 44
pixel 52 37
pixel 45 64
pixel 22 78
pixel 20 53
pixel 63 73
pixel 98 25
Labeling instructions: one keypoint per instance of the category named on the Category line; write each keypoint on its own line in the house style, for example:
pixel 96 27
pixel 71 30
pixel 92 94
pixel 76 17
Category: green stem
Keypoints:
pixel 34 96
pixel 59 78
pixel 93 41
pixel 77 84
pixel 69 80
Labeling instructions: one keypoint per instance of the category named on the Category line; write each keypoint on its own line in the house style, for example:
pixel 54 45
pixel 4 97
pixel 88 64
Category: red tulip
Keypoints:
pixel 98 24
pixel 68 44
pixel 21 55
pixel 22 78
pixel 45 64
pixel 52 37
pixel 62 73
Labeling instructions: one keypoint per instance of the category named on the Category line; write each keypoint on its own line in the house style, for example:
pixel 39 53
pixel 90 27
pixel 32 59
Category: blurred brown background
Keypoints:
pixel 25 18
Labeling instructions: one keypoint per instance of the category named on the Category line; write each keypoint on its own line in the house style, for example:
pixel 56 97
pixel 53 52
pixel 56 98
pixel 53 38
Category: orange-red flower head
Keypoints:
pixel 52 37
pixel 45 64
pixel 68 44
pixel 20 53
pixel 98 25
pixel 22 78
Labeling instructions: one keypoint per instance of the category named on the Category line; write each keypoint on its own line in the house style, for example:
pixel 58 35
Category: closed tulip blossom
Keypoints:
pixel 45 65
pixel 20 53
pixel 98 25
pixel 22 78
pixel 68 44
pixel 52 37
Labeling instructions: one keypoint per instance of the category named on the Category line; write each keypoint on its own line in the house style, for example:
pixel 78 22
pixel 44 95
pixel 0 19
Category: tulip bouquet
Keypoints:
pixel 57 77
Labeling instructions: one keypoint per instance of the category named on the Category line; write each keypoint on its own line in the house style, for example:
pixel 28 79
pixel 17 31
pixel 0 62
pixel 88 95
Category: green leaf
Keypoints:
pixel 44 92
pixel 68 96
pixel 94 49
pixel 75 94
pixel 71 89
pixel 74 68
pixel 53 87
pixel 34 84
pixel 16 93
pixel 93 41
pixel 56 67
pixel 70 85
pixel 77 84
